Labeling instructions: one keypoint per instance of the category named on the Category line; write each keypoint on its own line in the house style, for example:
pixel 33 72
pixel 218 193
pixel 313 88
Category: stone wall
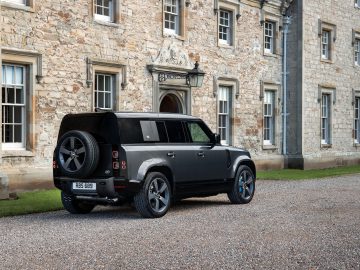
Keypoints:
pixel 65 34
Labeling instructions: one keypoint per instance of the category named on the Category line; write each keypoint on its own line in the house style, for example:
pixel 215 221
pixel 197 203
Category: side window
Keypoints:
pixel 130 131
pixel 149 131
pixel 175 131
pixel 197 134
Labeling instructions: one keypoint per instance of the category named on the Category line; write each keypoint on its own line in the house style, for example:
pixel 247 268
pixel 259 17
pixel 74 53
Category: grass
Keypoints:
pixel 306 174
pixel 49 200
pixel 32 202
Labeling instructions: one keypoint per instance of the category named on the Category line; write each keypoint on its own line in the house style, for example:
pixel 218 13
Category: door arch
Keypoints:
pixel 171 103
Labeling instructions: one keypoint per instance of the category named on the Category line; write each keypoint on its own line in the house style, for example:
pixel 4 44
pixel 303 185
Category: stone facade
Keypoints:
pixel 63 45
pixel 310 76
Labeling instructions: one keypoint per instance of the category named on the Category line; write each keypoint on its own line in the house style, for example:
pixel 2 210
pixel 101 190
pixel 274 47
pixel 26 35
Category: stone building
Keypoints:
pixel 68 56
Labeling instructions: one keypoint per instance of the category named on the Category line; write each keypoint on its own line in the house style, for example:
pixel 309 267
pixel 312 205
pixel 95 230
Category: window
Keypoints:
pixel 197 134
pixel 224 114
pixel 357 52
pixel 325 43
pixel 325 118
pixel 357 3
pixel 172 16
pixel 104 10
pixel 357 120
pixel 175 131
pixel 225 27
pixel 104 91
pixel 13 106
pixel 269 44
pixel 269 117
pixel 19 2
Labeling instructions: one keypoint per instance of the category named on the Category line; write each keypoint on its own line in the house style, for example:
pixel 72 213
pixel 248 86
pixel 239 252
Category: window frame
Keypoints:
pixel 15 145
pixel 326 46
pixel 112 80
pixel 357 3
pixel 357 120
pixel 229 27
pixel 224 94
pixel 270 139
pixel 114 13
pixel 26 5
pixel 272 38
pixel 179 22
pixel 357 51
pixel 326 118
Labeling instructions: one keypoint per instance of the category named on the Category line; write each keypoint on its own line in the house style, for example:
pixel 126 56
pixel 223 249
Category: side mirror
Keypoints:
pixel 215 138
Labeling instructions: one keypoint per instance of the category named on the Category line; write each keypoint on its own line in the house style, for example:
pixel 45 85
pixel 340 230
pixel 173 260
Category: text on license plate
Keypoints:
pixel 84 186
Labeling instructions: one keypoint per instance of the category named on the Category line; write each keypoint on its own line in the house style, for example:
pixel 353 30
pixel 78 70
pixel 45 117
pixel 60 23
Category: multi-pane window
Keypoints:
pixel 104 10
pixel 269 117
pixel 172 16
pixel 225 27
pixel 325 45
pixel 13 106
pixel 357 52
pixel 357 120
pixel 224 113
pixel 269 37
pixel 325 118
pixel 104 91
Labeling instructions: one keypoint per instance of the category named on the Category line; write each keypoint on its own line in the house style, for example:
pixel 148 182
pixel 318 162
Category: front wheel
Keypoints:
pixel 74 206
pixel 244 186
pixel 153 200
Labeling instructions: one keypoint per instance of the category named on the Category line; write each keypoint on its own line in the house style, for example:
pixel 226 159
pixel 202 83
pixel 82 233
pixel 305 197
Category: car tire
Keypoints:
pixel 74 206
pixel 244 186
pixel 154 198
pixel 77 154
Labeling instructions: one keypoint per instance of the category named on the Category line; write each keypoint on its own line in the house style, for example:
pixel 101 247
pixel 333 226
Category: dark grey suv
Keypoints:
pixel 151 159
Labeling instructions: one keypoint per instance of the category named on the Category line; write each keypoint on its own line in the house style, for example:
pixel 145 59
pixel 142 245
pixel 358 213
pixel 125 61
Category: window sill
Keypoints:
pixel 273 55
pixel 328 61
pixel 174 35
pixel 269 147
pixel 225 46
pixel 17 153
pixel 109 24
pixel 326 145
pixel 17 6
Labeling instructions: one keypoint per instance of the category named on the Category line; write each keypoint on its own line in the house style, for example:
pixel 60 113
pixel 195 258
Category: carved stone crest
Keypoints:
pixel 172 55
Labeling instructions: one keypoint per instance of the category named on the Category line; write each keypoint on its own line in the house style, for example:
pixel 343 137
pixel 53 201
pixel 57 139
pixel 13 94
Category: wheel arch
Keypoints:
pixel 243 160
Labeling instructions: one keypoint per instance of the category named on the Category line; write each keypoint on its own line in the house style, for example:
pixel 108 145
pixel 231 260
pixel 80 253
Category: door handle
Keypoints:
pixel 171 154
pixel 200 154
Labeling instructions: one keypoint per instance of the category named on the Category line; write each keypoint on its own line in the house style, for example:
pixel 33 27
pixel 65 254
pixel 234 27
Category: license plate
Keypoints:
pixel 84 186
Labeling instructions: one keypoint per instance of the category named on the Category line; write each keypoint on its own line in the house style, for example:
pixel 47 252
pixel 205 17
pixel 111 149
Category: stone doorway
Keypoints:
pixel 171 103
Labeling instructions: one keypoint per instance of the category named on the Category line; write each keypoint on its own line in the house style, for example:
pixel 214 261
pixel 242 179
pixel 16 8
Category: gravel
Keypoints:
pixel 312 224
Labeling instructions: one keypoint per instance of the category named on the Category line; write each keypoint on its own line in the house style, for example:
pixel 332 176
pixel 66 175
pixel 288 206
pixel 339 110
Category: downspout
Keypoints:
pixel 286 22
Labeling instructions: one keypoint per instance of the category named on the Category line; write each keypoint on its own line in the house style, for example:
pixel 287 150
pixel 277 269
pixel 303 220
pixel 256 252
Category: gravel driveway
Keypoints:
pixel 311 224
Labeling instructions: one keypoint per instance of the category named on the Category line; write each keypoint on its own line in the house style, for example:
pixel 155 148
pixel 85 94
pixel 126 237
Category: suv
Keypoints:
pixel 150 159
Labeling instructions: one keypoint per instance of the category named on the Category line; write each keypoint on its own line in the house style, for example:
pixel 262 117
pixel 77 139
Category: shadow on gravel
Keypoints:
pixel 129 212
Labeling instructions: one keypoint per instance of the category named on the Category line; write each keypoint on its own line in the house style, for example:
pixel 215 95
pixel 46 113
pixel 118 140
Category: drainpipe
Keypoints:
pixel 286 22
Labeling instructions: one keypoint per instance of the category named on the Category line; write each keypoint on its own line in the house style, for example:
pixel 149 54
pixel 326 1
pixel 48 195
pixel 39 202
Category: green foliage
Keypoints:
pixel 32 202
pixel 306 174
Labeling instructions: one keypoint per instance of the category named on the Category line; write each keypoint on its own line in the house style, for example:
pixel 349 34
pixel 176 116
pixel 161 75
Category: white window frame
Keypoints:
pixel 325 44
pixel 269 117
pixel 357 120
pixel 16 2
pixel 225 27
pixel 357 51
pixel 357 3
pixel 104 92
pixel 14 145
pixel 172 16
pixel 326 119
pixel 105 18
pixel 269 37
pixel 224 113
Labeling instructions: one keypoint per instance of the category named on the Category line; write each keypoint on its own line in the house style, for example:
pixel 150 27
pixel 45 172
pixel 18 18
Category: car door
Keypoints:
pixel 210 159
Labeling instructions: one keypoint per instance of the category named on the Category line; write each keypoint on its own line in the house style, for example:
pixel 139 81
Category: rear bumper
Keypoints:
pixel 109 187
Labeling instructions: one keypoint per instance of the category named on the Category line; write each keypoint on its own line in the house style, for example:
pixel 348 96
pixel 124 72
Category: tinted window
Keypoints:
pixel 175 131
pixel 149 131
pixel 130 131
pixel 197 134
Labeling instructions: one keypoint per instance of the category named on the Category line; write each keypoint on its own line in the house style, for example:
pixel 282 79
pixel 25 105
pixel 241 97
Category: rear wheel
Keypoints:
pixel 74 206
pixel 244 186
pixel 77 154
pixel 154 198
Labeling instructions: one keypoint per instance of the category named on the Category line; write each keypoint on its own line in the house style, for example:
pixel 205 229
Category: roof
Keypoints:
pixel 153 115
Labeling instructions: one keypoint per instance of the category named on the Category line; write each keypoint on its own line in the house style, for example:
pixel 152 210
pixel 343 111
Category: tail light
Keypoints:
pixel 115 160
